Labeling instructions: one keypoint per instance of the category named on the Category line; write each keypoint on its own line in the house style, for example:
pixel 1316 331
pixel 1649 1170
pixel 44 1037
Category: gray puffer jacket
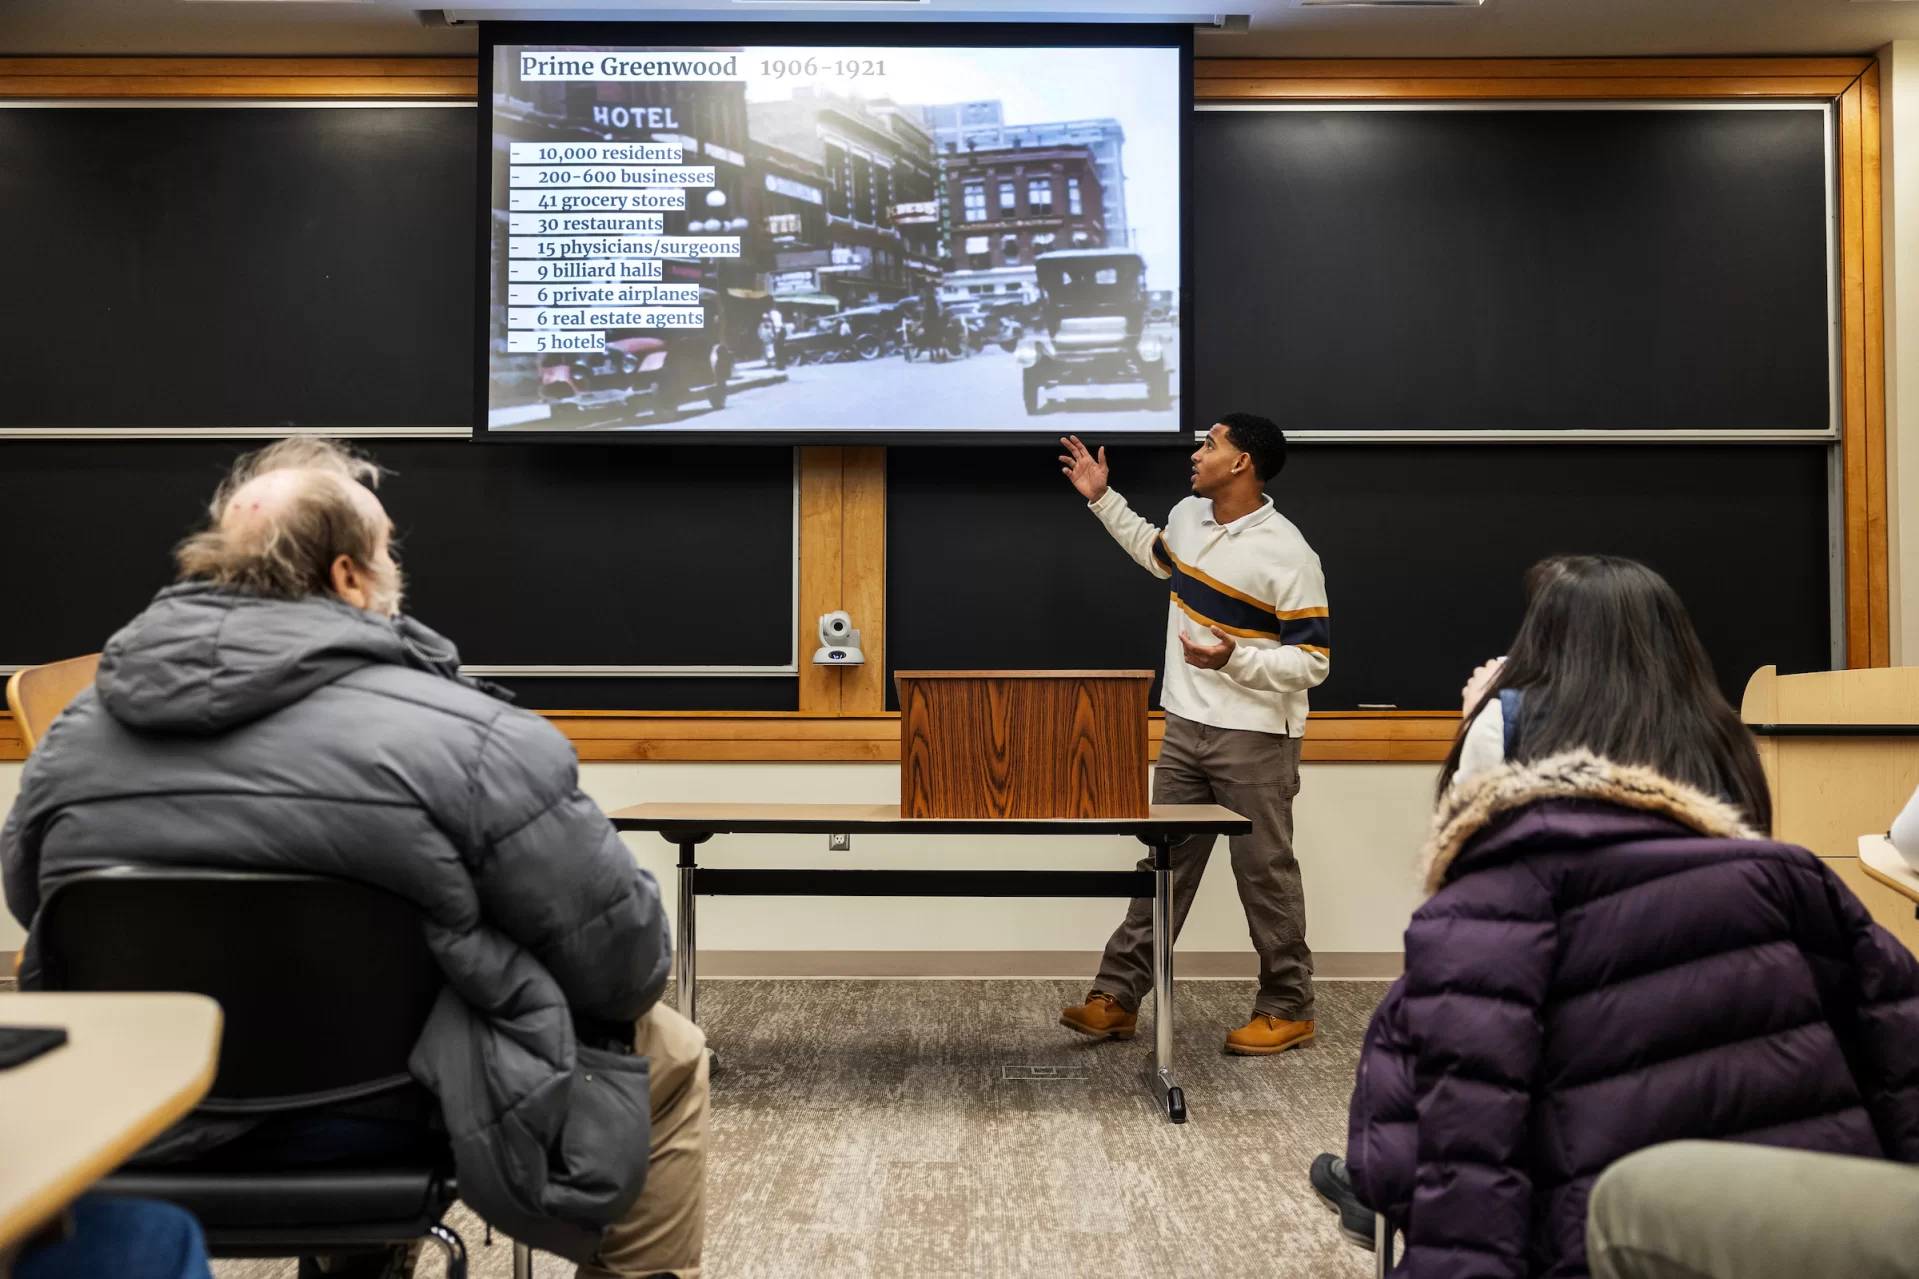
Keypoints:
pixel 230 731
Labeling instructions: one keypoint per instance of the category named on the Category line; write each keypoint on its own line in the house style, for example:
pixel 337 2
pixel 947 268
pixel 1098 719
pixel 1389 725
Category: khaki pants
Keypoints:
pixel 666 1230
pixel 1256 775
pixel 1727 1210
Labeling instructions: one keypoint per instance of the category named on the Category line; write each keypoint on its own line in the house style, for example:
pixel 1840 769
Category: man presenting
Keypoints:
pixel 1246 636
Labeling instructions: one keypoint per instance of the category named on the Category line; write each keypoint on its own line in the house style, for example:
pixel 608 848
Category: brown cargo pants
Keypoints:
pixel 1256 775
pixel 666 1230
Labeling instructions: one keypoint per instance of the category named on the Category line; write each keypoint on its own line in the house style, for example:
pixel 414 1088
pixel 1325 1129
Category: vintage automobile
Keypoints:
pixel 657 370
pixel 1002 320
pixel 815 342
pixel 1091 328
pixel 875 329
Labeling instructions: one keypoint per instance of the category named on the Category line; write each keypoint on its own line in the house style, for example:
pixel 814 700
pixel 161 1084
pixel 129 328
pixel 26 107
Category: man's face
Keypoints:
pixel 1215 462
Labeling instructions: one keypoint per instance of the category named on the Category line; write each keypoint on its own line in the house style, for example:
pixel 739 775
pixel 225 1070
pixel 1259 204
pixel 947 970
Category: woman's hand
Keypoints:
pixel 1476 687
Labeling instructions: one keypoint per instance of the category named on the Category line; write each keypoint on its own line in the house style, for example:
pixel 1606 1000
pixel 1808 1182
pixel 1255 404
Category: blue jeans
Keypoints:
pixel 123 1238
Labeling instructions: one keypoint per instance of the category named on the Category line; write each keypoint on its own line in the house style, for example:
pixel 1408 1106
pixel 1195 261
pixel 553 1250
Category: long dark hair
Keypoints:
pixel 1607 659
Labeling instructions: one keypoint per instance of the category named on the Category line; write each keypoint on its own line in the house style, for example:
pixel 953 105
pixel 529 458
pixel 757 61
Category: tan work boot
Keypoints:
pixel 1265 1034
pixel 1100 1017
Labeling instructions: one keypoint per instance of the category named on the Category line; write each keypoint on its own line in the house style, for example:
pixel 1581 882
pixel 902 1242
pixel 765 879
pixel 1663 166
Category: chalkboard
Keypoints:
pixel 198 268
pixel 521 554
pixel 252 267
pixel 1430 269
pixel 1445 270
pixel 993 561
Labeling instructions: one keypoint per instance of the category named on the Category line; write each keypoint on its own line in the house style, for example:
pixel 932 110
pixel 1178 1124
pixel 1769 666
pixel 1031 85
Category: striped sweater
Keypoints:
pixel 1255 579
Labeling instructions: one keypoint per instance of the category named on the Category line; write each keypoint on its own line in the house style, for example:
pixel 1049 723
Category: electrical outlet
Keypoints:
pixel 839 843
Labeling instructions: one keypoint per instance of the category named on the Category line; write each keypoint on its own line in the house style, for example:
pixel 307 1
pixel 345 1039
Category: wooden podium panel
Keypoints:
pixel 1841 754
pixel 1033 744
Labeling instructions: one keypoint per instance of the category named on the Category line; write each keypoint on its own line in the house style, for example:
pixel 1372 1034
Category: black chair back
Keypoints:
pixel 325 983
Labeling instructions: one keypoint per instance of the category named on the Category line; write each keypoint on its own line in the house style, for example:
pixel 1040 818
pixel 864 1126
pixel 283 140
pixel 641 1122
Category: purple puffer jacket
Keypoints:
pixel 1611 960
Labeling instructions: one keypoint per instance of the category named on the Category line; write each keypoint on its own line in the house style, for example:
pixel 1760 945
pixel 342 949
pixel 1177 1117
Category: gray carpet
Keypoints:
pixel 949 1129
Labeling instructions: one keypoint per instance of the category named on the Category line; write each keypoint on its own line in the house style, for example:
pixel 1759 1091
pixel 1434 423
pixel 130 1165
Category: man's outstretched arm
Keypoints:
pixel 1140 537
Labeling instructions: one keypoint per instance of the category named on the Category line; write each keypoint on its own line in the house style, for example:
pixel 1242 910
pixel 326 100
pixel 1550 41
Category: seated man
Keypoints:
pixel 275 710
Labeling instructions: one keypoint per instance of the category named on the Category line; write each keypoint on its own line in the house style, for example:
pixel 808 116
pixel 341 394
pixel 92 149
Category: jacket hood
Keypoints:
pixel 1579 778
pixel 204 659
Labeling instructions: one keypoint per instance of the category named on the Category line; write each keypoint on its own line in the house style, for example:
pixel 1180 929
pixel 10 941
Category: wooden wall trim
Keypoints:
pixel 1852 375
pixel 843 566
pixel 820 572
pixel 780 737
pixel 1862 382
pixel 1703 68
pixel 456 79
pixel 1878 546
pixel 876 738
pixel 1336 79
pixel 1214 78
pixel 863 575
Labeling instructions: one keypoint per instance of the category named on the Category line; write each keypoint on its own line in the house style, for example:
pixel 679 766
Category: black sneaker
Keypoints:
pixel 1335 1186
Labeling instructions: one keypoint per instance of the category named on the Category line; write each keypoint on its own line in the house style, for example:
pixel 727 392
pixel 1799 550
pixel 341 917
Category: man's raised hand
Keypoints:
pixel 1087 473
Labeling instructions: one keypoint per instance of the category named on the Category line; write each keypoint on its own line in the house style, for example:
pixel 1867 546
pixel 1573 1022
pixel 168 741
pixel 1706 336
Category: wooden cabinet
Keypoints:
pixel 1023 743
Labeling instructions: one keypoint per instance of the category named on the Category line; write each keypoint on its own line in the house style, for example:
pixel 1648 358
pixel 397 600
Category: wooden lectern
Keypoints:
pixel 1033 744
pixel 1841 754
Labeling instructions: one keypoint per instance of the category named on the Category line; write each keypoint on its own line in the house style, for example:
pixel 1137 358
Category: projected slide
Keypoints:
pixel 807 240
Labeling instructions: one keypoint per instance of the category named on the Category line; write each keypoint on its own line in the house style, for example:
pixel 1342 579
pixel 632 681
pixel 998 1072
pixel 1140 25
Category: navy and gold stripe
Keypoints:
pixel 1164 556
pixel 1232 620
pixel 1307 628
pixel 1213 603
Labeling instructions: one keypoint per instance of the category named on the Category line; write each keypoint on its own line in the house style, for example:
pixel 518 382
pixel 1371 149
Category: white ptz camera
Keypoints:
pixel 839 642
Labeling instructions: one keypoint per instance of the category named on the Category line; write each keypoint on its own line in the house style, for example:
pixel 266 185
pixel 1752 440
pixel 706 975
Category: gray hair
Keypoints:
pixel 288 552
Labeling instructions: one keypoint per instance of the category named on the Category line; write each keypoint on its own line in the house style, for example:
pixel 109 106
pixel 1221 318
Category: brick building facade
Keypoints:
pixel 1009 204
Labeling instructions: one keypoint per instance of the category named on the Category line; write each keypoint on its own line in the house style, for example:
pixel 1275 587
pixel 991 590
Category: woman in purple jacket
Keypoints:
pixel 1614 954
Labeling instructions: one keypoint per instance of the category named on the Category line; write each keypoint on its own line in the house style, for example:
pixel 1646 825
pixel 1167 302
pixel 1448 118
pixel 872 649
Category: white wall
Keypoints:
pixel 1358 832
pixel 1899 174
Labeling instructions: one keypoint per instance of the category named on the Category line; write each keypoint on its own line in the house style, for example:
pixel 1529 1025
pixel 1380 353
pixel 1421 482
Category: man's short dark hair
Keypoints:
pixel 1260 439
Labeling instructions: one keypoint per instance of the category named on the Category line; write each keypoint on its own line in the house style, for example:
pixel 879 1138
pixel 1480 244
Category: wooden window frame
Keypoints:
pixel 841 713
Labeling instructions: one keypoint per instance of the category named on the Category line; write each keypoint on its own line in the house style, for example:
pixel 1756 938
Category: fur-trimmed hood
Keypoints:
pixel 1614 963
pixel 1468 809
